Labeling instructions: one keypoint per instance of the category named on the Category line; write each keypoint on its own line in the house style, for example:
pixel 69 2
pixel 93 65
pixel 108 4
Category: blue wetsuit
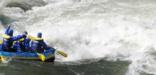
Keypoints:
pixel 39 45
pixel 25 44
pixel 16 46
pixel 8 43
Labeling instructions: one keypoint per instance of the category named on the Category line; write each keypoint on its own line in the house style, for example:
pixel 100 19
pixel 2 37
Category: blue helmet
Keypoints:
pixel 10 33
pixel 25 32
pixel 39 35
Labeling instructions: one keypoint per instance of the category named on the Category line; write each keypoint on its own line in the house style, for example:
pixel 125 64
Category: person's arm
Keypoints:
pixel 15 38
pixel 7 30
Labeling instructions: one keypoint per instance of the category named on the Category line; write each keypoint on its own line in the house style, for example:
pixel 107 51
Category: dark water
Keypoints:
pixel 43 68
pixel 5 20
pixel 25 5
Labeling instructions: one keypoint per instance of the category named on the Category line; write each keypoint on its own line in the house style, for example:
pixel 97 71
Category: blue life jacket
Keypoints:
pixel 8 43
pixel 25 44
pixel 17 46
pixel 38 46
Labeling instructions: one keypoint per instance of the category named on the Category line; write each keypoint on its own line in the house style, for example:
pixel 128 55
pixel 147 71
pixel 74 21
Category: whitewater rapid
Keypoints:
pixel 109 29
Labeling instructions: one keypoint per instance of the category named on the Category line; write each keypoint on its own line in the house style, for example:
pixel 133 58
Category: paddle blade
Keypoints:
pixel 62 53
pixel 5 36
pixel 1 41
pixel 2 58
pixel 41 57
pixel 34 38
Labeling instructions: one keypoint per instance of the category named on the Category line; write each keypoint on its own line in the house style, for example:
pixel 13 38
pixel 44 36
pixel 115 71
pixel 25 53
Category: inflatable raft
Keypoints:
pixel 47 55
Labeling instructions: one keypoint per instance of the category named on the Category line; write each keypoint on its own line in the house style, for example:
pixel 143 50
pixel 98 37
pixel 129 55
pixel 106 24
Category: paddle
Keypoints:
pixel 62 53
pixel 41 57
pixel 4 36
pixel 1 41
pixel 2 59
pixel 34 38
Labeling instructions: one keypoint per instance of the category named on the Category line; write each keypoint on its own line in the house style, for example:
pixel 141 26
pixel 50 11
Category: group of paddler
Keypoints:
pixel 22 42
pixel 25 43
